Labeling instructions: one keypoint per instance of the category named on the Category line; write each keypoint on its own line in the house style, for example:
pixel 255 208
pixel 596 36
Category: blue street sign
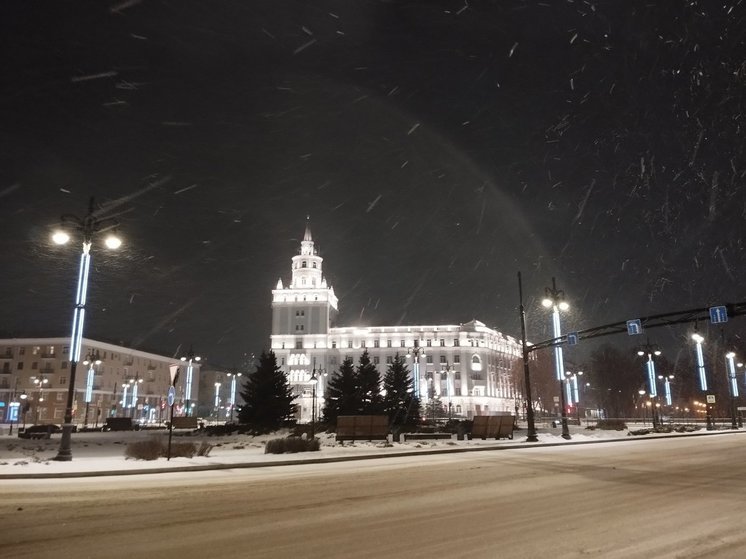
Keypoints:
pixel 572 338
pixel 634 327
pixel 171 396
pixel 718 315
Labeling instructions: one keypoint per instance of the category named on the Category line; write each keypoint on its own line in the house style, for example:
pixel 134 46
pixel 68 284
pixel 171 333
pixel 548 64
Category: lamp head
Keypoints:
pixel 60 237
pixel 547 302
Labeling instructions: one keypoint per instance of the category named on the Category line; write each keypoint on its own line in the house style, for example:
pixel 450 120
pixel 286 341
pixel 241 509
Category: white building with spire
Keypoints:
pixel 467 366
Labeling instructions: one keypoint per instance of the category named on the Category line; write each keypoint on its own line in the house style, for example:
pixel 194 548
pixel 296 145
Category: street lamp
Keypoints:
pixel 217 401
pixel 314 380
pixel 39 382
pixel 730 358
pixel 573 393
pixel 415 353
pixel 137 381
pixel 91 360
pixel 555 299
pixel 642 393
pixel 698 339
pixel 233 392
pixel 651 350
pixel 87 226
pixel 189 359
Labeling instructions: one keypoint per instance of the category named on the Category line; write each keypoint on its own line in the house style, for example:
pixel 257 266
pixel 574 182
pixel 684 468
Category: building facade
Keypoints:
pixel 466 366
pixel 111 381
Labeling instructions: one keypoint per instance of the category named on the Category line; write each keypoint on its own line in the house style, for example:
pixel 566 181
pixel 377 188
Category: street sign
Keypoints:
pixel 171 395
pixel 572 338
pixel 174 372
pixel 634 327
pixel 718 315
pixel 710 398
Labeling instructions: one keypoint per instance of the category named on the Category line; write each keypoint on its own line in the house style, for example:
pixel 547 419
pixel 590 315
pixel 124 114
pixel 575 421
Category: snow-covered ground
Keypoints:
pixel 105 452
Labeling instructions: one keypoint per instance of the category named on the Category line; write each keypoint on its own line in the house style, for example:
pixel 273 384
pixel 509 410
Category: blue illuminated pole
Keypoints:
pixel 416 352
pixel 651 351
pixel 698 339
pixel 555 299
pixel 667 390
pixel 730 358
pixel 91 360
pixel 88 226
pixel 189 359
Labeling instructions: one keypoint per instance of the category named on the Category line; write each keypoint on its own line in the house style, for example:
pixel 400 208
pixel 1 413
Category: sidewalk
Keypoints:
pixel 102 454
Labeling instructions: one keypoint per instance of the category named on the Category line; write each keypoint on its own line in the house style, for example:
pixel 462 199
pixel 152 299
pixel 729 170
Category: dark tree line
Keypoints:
pixel 361 391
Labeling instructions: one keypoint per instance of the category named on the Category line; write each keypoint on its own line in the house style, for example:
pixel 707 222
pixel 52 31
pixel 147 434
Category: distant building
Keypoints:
pixel 467 366
pixel 34 372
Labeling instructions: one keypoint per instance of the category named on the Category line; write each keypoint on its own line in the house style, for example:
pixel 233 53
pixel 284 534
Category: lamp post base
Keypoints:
pixel 65 454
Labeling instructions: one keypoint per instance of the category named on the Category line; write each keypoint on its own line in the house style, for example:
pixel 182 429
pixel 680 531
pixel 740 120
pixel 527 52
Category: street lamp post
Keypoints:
pixel 233 392
pixel 555 299
pixel 134 383
pixel 730 358
pixel 531 435
pixel 651 350
pixel 40 381
pixel 314 380
pixel 87 226
pixel 415 353
pixel 91 360
pixel 642 393
pixel 217 402
pixel 190 358
pixel 698 339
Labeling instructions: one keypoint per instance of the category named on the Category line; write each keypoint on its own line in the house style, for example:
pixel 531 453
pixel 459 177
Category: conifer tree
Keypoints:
pixel 342 393
pixel 268 397
pixel 400 402
pixel 369 381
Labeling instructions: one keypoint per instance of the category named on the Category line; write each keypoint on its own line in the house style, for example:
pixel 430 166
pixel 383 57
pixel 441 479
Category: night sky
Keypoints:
pixel 438 146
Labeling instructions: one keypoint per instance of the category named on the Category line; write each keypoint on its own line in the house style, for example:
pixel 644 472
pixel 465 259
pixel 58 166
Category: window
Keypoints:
pixel 388 343
pixel 476 375
pixel 443 359
pixel 456 359
pixel 65 350
pixel 376 360
pixel 442 342
pixel 429 358
pixel 457 376
pixel 20 365
pixel 304 264
pixel 298 344
pixel 22 351
pixel 60 396
pixel 349 343
pixel 362 344
pixel 376 343
pixel 476 363
pixel 314 264
pixel 63 381
pixel 403 344
pixel 334 344
pixel 429 343
pixel 429 375
pixel 389 360
pixel 455 342
pixel 35 365
pixel 282 361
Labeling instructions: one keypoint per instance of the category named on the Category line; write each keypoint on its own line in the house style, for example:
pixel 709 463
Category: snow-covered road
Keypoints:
pixel 677 497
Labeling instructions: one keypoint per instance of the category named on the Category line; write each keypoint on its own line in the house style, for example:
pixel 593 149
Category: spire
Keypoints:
pixel 307 235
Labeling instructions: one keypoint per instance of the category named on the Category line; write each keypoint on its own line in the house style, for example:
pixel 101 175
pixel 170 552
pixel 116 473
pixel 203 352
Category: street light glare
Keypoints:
pixel 546 302
pixel 640 353
pixel 698 338
pixel 113 242
pixel 564 305
pixel 730 355
pixel 60 237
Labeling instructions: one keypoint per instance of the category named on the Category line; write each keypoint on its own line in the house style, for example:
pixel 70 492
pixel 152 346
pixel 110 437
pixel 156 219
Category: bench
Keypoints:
pixel 362 427
pixel 186 422
pixel 499 426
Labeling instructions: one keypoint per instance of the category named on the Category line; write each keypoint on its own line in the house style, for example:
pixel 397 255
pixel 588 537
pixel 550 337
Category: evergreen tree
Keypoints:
pixel 268 397
pixel 342 393
pixel 369 381
pixel 399 402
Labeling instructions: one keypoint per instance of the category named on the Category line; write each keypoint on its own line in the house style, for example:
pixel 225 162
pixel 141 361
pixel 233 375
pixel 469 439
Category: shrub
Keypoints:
pixel 144 450
pixel 291 444
pixel 611 425
pixel 155 447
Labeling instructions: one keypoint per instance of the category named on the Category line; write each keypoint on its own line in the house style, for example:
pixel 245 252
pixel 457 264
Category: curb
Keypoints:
pixel 408 453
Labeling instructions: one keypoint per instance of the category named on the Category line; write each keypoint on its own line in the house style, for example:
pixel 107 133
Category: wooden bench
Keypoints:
pixel 498 426
pixel 362 427
pixel 186 422
pixel 118 424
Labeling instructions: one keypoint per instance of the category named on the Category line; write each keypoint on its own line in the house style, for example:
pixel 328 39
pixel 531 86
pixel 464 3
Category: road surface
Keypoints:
pixel 682 497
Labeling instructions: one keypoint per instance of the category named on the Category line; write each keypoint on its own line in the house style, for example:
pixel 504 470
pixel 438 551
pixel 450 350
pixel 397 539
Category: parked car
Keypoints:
pixel 39 431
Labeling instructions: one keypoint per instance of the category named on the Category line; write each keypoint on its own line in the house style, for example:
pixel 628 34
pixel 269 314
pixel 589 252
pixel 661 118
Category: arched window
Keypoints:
pixel 304 265
pixel 476 363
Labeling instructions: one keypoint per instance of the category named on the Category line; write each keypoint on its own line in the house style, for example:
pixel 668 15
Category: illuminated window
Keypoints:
pixel 476 363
